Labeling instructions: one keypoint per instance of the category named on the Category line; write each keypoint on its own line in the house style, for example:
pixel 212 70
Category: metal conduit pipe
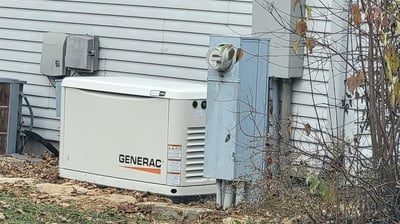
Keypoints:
pixel 229 194
pixel 218 196
pixel 275 125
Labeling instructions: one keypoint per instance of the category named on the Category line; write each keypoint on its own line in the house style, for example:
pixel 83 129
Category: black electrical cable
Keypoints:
pixel 30 112
pixel 36 137
pixel 32 117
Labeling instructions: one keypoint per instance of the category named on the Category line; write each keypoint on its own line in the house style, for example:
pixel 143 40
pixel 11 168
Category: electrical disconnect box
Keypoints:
pixel 53 51
pixel 82 53
pixel 237 116
pixel 237 112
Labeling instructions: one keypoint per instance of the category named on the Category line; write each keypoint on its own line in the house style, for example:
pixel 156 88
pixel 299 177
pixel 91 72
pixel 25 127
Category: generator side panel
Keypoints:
pixel 113 135
pixel 186 139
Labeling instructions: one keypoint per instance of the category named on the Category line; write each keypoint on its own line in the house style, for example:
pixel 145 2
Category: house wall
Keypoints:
pixel 312 98
pixel 137 37
pixel 310 92
pixel 317 97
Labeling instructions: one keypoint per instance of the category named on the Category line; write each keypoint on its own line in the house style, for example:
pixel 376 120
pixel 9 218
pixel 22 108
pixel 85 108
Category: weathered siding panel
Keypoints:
pixel 137 37
pixel 310 92
pixel 325 84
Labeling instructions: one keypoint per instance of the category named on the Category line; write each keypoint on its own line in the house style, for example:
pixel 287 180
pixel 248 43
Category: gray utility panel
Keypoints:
pixel 62 53
pixel 10 114
pixel 53 54
pixel 237 112
pixel 82 53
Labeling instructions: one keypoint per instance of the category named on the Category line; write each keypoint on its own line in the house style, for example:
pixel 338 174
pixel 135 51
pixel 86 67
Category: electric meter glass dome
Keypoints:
pixel 213 58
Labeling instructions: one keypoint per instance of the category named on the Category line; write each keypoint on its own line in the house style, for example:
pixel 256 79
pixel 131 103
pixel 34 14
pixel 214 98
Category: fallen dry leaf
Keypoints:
pixel 42 196
pixel 91 193
pixel 127 208
pixel 74 191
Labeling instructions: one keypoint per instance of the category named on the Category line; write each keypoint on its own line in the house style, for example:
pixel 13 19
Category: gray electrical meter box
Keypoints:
pixel 53 51
pixel 82 53
pixel 237 113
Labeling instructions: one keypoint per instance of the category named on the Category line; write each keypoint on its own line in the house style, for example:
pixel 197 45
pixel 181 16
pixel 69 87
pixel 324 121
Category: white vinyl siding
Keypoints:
pixel 310 93
pixel 137 37
pixel 313 93
pixel 309 96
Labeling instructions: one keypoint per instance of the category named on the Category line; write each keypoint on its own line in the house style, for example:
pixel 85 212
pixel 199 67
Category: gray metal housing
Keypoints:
pixel 237 112
pixel 10 114
pixel 82 53
pixel 53 54
pixel 270 19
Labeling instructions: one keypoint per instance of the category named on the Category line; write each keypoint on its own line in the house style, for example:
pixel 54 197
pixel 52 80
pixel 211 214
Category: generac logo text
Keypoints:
pixel 139 163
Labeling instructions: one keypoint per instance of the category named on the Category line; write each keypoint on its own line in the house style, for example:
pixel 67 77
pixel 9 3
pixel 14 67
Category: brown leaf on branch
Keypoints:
pixel 296 46
pixel 390 51
pixel 375 17
pixel 385 22
pixel 239 54
pixel 310 44
pixel 360 77
pixel 309 10
pixel 295 3
pixel 355 11
pixel 394 96
pixel 355 81
pixel 391 58
pixel 351 83
pixel 301 27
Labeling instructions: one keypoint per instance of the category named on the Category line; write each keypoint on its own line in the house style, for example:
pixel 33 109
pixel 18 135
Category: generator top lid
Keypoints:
pixel 142 86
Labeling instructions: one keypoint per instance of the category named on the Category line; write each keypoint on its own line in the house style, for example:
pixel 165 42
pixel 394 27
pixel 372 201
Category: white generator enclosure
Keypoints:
pixel 135 133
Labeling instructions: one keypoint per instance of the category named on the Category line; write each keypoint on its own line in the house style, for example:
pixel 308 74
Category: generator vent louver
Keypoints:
pixel 195 154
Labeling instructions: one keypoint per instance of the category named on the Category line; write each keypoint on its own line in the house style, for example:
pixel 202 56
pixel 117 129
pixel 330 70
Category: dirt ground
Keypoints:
pixel 41 175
